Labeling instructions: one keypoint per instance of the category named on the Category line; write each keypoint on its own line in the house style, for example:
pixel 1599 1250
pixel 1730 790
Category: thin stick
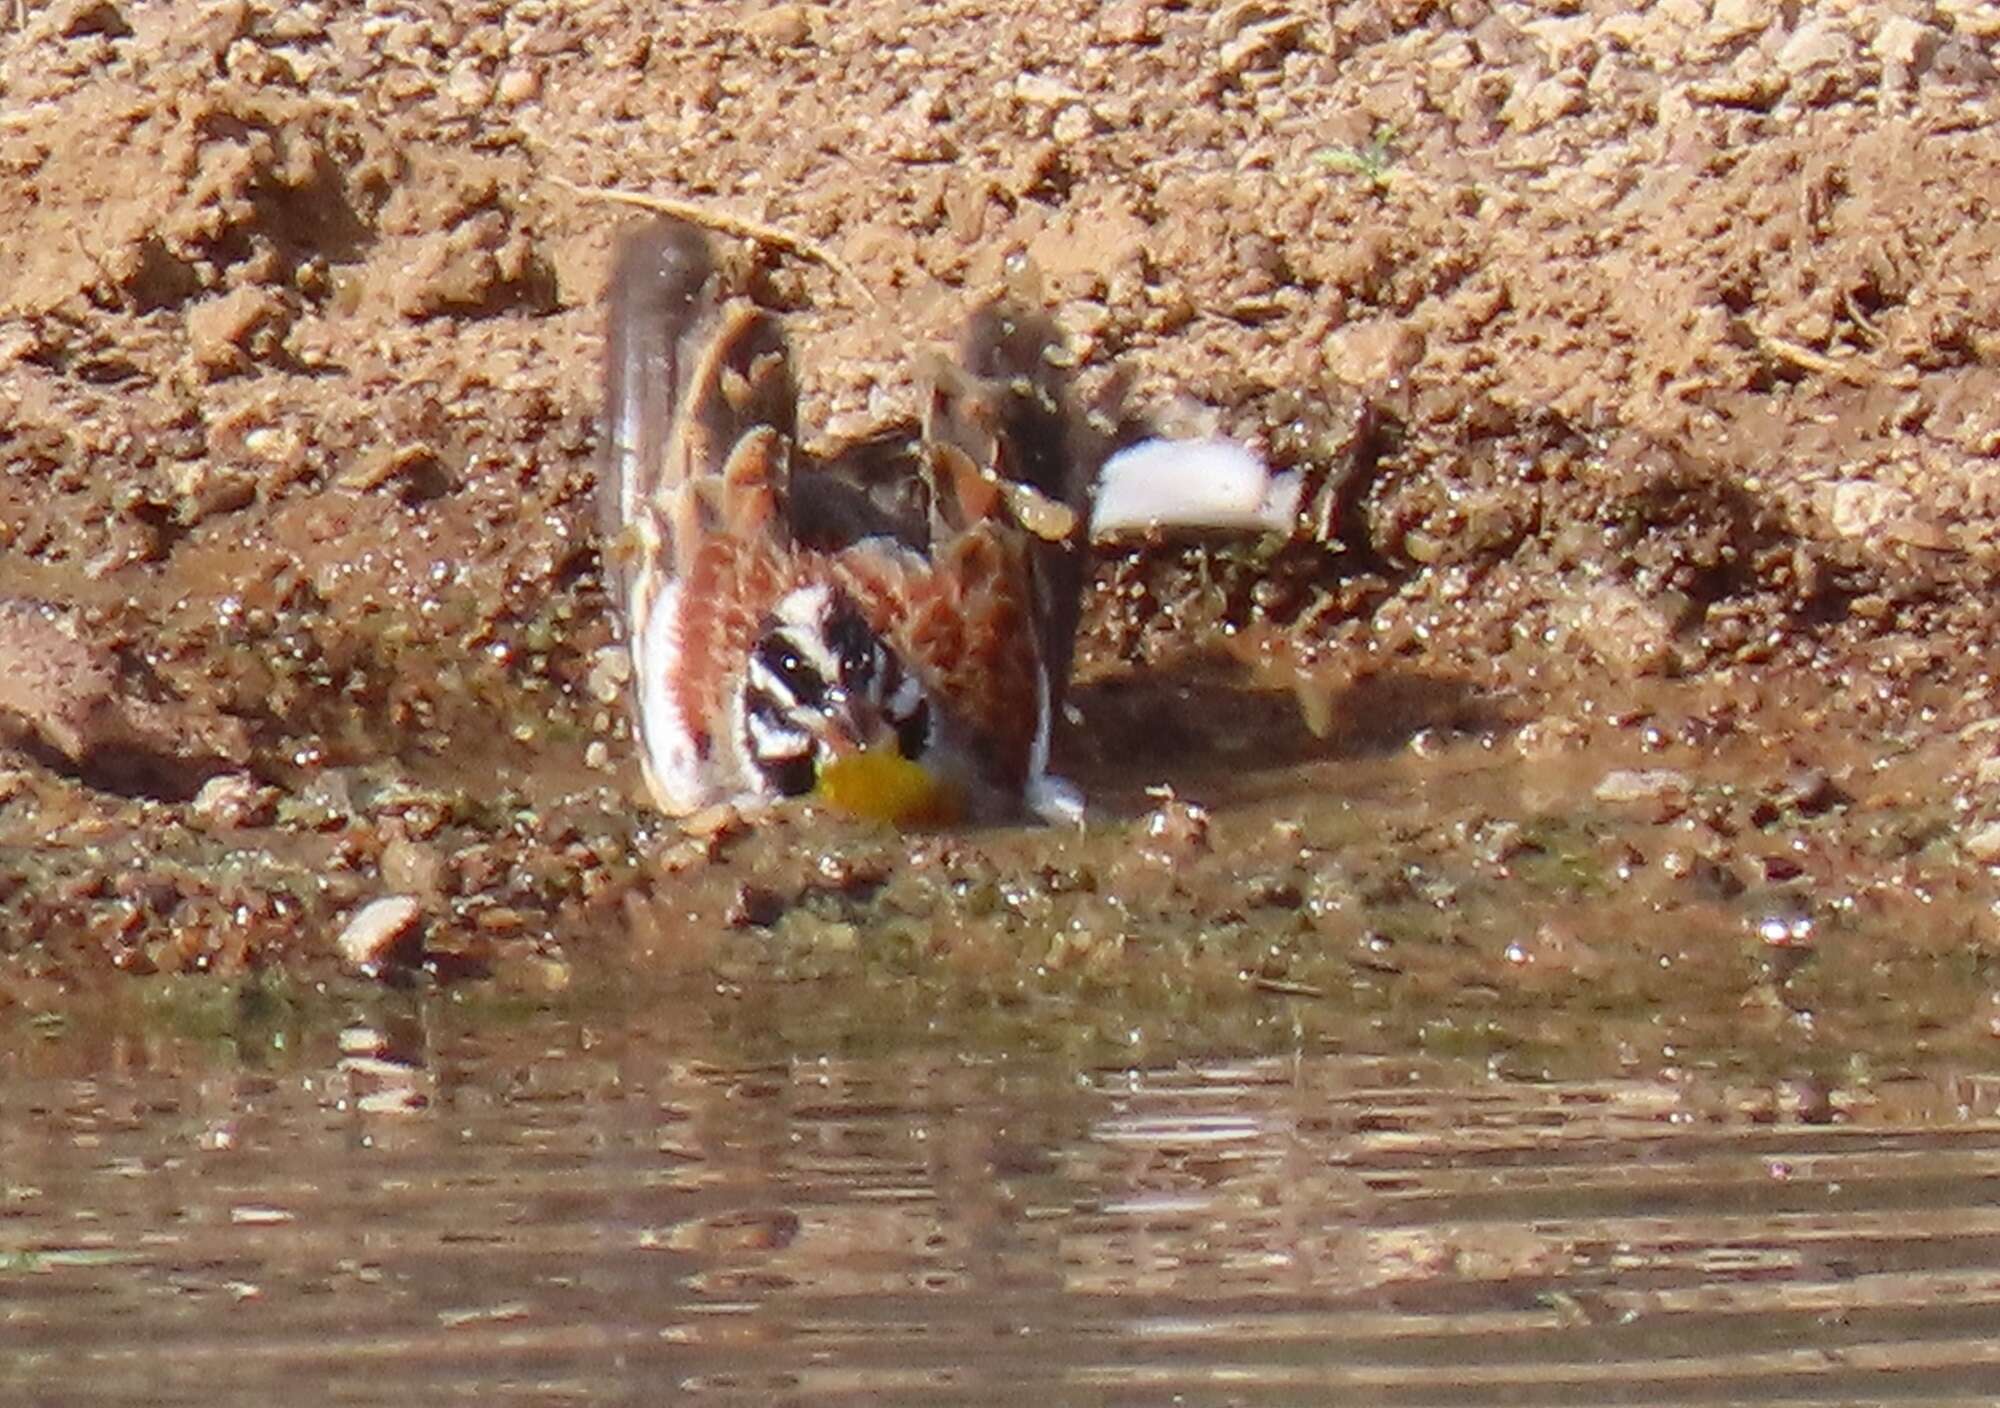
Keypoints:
pixel 1808 360
pixel 728 224
pixel 1285 987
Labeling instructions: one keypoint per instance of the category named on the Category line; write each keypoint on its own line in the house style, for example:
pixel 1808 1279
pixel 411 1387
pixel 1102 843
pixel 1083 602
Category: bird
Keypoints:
pixel 888 629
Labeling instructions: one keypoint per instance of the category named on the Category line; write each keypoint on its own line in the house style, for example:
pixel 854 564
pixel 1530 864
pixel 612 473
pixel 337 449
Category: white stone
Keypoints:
pixel 1636 785
pixel 1191 484
pixel 1815 44
pixel 376 928
pixel 1902 40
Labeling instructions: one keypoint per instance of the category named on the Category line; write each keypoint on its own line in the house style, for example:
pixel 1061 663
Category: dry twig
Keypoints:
pixel 728 224
pixel 1845 368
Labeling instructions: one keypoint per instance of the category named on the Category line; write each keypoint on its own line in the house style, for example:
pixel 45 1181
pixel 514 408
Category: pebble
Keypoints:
pixel 377 929
pixel 1814 44
pixel 1902 40
pixel 1191 483
pixel 413 867
pixel 610 673
pixel 1041 91
pixel 1638 785
pixel 1175 830
pixel 469 86
pixel 1125 22
pixel 86 17
pixel 519 85
pixel 1072 125
pixel 233 799
pixel 780 26
pixel 1737 19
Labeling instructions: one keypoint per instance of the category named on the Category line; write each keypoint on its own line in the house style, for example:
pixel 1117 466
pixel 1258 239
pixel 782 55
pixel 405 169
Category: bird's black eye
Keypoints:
pixel 787 668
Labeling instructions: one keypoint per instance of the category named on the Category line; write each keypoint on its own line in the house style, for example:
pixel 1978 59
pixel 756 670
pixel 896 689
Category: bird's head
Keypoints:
pixel 828 708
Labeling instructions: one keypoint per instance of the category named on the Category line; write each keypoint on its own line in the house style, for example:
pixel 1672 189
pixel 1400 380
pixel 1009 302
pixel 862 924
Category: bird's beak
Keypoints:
pixel 880 784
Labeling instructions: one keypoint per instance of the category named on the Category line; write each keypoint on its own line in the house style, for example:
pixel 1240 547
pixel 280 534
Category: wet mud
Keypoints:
pixel 1620 696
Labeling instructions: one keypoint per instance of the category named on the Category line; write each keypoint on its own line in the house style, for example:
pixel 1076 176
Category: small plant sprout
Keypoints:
pixel 1371 162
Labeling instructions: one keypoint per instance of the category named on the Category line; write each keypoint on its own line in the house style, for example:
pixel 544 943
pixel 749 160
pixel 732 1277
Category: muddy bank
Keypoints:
pixel 1642 371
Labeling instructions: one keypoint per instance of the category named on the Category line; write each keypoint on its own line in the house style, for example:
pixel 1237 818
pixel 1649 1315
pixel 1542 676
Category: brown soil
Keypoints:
pixel 1645 371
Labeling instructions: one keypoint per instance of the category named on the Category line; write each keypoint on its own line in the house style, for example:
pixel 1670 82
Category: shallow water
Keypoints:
pixel 1427 1075
pixel 441 1206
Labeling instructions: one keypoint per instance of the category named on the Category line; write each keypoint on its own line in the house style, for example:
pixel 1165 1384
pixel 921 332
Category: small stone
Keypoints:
pixel 481 264
pixel 1807 1101
pixel 1858 507
pixel 413 866
pixel 722 822
pixel 468 86
pixel 551 971
pixel 610 673
pixel 916 131
pixel 1641 785
pixel 1810 791
pixel 362 1040
pixel 377 930
pixel 1126 22
pixel 1815 44
pixel 1175 830
pixel 1534 108
pixel 58 688
pixel 1958 60
pixel 295 26
pixel 780 26
pixel 1623 628
pixel 1072 125
pixel 74 21
pixel 279 445
pixel 500 919
pixel 1042 91
pixel 234 799
pixel 1259 45
pixel 1737 19
pixel 1902 40
pixel 519 85
pixel 755 907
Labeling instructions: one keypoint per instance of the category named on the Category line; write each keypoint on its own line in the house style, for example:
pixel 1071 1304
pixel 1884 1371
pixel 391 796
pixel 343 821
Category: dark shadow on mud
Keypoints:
pixel 137 772
pixel 1379 714
pixel 1194 727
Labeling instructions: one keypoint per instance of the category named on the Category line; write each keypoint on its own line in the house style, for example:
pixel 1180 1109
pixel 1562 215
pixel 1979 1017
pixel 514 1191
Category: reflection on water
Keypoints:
pixel 583 1214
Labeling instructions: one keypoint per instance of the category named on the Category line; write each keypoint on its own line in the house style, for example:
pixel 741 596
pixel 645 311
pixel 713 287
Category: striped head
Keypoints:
pixel 824 702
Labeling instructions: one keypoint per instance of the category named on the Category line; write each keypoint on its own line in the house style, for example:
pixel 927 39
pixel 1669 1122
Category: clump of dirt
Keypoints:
pixel 1642 367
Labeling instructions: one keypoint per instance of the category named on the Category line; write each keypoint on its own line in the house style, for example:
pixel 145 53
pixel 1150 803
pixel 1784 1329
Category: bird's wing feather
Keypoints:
pixel 700 418
pixel 1008 448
